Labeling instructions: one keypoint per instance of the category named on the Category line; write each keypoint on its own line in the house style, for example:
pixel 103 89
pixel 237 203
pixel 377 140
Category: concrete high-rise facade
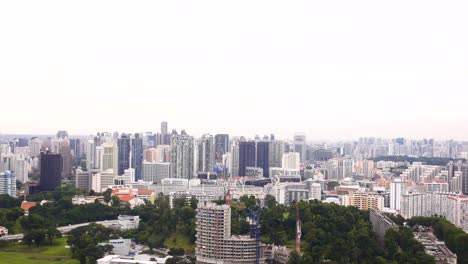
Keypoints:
pixel 182 156
pixel 215 245
pixel 21 168
pixel 345 167
pixel 396 190
pixel 234 159
pixel 276 150
pixel 204 154
pixel 110 157
pixel 291 161
pixel 156 171
pixel 300 145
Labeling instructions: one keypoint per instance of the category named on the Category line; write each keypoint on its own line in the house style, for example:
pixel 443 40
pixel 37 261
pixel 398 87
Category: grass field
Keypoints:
pixel 45 254
pixel 179 241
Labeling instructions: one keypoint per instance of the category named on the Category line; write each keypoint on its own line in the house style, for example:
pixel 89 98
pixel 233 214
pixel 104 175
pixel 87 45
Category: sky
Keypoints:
pixel 330 69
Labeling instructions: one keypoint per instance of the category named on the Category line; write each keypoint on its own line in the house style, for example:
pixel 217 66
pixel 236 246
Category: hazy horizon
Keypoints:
pixel 332 70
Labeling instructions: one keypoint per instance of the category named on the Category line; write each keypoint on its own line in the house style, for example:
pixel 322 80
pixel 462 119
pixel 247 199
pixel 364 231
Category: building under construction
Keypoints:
pixel 216 245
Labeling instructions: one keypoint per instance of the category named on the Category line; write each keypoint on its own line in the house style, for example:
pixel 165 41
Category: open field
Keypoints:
pixel 45 254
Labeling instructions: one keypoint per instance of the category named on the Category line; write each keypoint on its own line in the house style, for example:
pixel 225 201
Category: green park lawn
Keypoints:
pixel 45 254
pixel 177 240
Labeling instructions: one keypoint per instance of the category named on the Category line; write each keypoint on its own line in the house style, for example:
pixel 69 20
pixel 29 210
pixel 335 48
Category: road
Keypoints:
pixel 63 229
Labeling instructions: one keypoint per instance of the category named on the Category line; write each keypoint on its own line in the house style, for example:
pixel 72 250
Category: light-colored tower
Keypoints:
pixel 396 187
pixel 110 157
pixel 300 145
pixel 182 156
pixel 291 161
pixel 8 183
pixel 204 154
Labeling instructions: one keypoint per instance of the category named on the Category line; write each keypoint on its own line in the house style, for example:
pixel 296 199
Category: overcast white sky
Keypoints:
pixel 331 69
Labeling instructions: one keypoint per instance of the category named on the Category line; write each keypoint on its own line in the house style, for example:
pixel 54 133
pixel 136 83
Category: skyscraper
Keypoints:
pixel 165 137
pixel 137 155
pixel 182 156
pixel 246 156
pixel 110 157
pixel 8 183
pixel 124 153
pixel 291 161
pixel 276 150
pixel 221 146
pixel 300 145
pixel 262 158
pixel 204 154
pixel 50 168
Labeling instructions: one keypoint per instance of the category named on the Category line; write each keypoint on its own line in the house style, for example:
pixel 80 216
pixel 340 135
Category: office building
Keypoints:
pixel 156 171
pixel 221 146
pixel 276 151
pixel 50 169
pixel 109 157
pixel 300 145
pixel 137 155
pixel 246 156
pixel 124 147
pixel 262 159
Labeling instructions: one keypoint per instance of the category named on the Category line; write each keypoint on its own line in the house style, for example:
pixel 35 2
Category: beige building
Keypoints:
pixel 215 244
pixel 364 200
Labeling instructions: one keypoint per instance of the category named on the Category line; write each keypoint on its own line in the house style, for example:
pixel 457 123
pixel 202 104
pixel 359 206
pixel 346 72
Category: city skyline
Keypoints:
pixel 330 71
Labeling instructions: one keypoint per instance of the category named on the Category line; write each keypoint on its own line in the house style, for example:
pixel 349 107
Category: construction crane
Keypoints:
pixel 255 231
pixel 298 230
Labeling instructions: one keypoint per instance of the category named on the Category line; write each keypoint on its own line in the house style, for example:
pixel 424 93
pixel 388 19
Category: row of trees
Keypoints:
pixel 37 229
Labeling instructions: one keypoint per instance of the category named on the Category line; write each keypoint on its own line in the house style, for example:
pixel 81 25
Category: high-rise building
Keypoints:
pixel 345 167
pixel 233 158
pixel 124 147
pixel 21 168
pixel 204 154
pixel 82 179
pixel 276 150
pixel 110 157
pixel 75 146
pixel 156 171
pixel 61 145
pixel 262 158
pixel 396 190
pixel 36 145
pixel 291 161
pixel 316 191
pixel 137 155
pixel 246 156
pixel 50 168
pixel 300 145
pixel 90 154
pixel 165 136
pixel 221 146
pixel 182 157
pixel 8 183
pixel 214 241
